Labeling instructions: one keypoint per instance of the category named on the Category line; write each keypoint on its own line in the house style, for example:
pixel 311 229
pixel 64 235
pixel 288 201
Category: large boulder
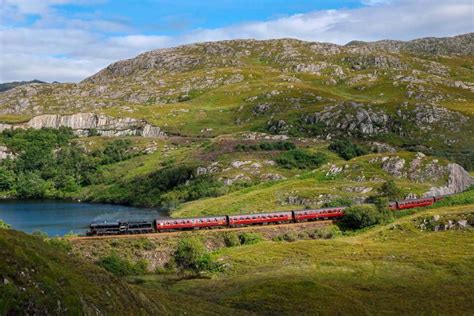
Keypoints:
pixel 458 181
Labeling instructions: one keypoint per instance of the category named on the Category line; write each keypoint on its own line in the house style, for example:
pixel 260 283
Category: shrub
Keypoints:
pixel 361 216
pixel 192 254
pixel 289 237
pixel 121 267
pixel 346 149
pixel 300 159
pixel 250 238
pixel 327 232
pixel 93 132
pixel 231 239
pixel 4 225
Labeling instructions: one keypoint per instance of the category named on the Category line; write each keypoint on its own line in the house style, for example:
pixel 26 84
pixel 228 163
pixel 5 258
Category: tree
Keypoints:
pixel 7 179
pixel 31 186
pixel 390 190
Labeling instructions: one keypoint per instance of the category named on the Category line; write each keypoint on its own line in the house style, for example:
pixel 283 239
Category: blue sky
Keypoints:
pixel 68 40
pixel 174 17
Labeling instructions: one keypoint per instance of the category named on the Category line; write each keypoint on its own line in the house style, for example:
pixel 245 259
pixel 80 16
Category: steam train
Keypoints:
pixel 230 221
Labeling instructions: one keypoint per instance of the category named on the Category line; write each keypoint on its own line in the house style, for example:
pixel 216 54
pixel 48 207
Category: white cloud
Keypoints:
pixel 76 51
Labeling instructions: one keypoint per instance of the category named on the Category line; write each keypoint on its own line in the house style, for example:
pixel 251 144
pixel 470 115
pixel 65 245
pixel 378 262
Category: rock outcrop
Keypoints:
pixel 83 124
pixel 356 119
pixel 458 181
pixel 352 118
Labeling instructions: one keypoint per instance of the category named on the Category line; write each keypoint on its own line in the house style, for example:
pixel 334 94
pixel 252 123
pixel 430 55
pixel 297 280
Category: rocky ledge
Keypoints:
pixel 85 124
pixel 458 180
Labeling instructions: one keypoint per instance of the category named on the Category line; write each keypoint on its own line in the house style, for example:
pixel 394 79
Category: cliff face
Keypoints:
pixel 84 123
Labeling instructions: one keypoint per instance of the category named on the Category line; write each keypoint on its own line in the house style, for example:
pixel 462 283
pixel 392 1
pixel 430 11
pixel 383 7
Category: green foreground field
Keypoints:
pixel 394 269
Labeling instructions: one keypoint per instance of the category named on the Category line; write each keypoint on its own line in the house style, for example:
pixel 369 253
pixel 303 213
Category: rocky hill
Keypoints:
pixel 209 106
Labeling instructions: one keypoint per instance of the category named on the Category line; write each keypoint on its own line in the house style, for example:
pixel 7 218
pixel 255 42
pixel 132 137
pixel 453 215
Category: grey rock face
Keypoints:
pixel 353 118
pixel 394 166
pixel 83 123
pixel 458 181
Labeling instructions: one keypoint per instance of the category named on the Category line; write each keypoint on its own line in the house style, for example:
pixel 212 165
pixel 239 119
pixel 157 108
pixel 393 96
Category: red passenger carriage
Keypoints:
pixel 260 218
pixel 308 215
pixel 190 223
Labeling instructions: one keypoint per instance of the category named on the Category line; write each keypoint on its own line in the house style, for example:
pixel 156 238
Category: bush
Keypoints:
pixel 4 225
pixel 346 149
pixel 390 191
pixel 231 239
pixel 361 216
pixel 328 232
pixel 300 159
pixel 192 254
pixel 121 267
pixel 250 238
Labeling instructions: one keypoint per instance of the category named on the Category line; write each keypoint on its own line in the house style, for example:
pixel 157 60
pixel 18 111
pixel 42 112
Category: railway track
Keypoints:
pixel 319 223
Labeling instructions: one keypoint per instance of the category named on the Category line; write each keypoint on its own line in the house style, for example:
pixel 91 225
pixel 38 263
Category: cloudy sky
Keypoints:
pixel 68 40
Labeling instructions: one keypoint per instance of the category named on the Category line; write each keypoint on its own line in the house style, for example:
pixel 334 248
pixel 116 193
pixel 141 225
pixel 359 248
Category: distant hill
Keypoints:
pixel 10 85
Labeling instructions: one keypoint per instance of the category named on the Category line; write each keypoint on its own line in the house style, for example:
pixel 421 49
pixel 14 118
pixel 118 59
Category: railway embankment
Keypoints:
pixel 158 249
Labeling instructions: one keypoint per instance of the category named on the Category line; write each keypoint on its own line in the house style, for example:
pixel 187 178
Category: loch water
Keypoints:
pixel 57 218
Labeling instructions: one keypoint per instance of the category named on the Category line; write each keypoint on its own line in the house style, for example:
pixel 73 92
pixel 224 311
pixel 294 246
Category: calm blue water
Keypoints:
pixel 57 218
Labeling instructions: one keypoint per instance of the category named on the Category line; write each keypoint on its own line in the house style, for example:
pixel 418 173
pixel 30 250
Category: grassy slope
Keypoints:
pixel 310 184
pixel 392 269
pixel 43 279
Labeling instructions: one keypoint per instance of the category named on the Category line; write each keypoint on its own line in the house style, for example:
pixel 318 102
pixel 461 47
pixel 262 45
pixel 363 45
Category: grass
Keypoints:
pixel 394 269
pixel 43 278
